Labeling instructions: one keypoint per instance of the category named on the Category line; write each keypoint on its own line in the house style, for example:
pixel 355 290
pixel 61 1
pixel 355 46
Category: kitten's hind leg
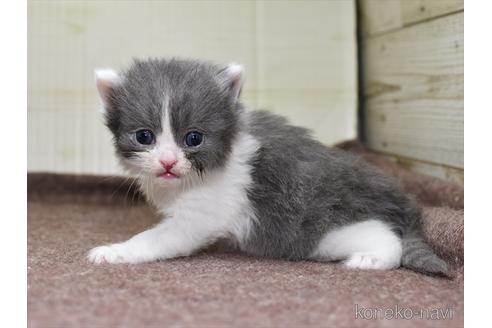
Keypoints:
pixel 364 245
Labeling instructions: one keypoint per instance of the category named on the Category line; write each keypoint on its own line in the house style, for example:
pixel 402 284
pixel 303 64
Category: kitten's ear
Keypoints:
pixel 106 79
pixel 232 78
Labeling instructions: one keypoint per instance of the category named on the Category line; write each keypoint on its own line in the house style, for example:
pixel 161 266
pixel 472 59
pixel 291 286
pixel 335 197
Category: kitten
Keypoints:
pixel 214 170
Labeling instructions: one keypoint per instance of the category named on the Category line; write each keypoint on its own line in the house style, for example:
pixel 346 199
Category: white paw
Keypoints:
pixel 106 254
pixel 369 261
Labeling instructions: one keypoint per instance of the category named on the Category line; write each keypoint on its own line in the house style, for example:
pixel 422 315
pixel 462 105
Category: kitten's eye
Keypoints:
pixel 193 139
pixel 145 137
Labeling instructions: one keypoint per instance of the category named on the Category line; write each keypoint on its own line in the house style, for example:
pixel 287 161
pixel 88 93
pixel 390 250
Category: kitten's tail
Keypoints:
pixel 418 255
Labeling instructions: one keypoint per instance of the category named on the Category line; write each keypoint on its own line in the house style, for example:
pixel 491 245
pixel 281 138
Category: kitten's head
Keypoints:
pixel 172 119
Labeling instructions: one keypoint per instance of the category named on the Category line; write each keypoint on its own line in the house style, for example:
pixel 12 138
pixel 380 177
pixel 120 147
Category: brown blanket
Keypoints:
pixel 68 215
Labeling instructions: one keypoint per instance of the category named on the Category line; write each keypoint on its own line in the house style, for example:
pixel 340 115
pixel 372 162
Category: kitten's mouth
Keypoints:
pixel 168 175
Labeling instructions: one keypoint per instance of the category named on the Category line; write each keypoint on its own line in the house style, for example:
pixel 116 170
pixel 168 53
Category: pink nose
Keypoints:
pixel 168 164
pixel 167 159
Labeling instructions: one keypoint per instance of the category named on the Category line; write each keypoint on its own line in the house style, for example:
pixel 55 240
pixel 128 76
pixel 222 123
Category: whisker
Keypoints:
pixel 111 197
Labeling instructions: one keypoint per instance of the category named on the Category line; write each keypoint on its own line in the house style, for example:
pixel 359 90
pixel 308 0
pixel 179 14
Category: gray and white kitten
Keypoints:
pixel 215 171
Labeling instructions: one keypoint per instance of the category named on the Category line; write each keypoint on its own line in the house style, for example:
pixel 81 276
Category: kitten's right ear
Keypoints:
pixel 106 79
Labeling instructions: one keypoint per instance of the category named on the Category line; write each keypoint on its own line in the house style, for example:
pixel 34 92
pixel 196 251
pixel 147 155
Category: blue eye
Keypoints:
pixel 193 139
pixel 145 137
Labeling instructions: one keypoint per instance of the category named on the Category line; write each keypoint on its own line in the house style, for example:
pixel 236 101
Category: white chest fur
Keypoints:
pixel 217 204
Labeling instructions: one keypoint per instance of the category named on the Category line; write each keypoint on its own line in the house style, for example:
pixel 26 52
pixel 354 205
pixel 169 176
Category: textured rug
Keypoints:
pixel 68 215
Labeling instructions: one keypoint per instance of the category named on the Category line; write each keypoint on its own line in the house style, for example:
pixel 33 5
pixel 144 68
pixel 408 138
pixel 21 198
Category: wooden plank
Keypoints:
pixel 447 173
pixel 418 10
pixel 413 90
pixel 379 16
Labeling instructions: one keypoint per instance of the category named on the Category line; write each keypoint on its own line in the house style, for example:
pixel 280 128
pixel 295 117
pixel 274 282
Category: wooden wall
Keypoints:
pixel 412 78
pixel 300 58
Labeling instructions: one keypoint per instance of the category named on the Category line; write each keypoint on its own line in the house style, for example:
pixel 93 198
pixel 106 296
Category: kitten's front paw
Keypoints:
pixel 106 254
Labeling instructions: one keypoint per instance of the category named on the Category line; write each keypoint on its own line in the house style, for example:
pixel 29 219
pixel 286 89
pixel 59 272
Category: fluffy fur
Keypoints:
pixel 255 179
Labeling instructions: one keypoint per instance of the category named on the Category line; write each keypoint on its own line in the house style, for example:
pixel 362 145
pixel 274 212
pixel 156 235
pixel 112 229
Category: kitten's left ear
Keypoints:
pixel 106 79
pixel 232 78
